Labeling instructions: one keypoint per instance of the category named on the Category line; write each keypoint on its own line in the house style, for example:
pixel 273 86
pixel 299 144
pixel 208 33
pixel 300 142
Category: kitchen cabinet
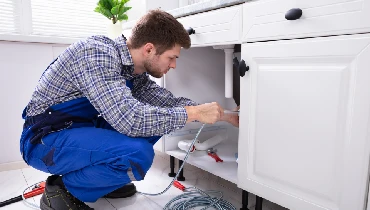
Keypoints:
pixel 303 140
pixel 305 119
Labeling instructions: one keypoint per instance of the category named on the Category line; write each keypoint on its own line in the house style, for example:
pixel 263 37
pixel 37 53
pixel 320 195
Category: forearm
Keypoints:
pixel 192 113
pixel 163 98
pixel 145 120
pixel 205 113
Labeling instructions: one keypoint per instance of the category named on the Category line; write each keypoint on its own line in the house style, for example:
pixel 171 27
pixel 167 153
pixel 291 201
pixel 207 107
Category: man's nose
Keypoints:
pixel 172 64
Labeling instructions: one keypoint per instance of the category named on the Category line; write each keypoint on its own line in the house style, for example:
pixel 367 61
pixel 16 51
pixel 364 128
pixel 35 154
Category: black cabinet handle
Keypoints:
pixel 243 68
pixel 293 14
pixel 190 31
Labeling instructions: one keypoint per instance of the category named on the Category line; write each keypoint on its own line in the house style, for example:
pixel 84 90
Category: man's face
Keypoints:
pixel 158 65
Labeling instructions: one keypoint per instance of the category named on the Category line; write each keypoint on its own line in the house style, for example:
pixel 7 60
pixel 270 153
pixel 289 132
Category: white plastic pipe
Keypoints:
pixel 229 73
pixel 185 145
pixel 209 143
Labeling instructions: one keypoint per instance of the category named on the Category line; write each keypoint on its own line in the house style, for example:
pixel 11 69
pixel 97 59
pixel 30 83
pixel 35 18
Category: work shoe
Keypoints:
pixel 123 192
pixel 56 196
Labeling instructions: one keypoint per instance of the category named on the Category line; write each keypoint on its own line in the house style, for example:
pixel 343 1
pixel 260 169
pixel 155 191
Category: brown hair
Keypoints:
pixel 161 29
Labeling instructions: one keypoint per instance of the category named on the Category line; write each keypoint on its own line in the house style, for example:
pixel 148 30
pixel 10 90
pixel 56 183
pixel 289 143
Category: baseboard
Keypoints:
pixel 13 166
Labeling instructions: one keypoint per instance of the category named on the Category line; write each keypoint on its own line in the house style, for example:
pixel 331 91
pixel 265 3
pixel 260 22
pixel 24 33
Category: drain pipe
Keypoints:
pixel 229 50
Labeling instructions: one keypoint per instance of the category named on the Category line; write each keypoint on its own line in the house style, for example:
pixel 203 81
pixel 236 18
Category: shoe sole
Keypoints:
pixel 120 195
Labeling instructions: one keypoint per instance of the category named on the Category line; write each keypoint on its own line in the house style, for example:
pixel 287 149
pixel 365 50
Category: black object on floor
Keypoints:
pixel 172 167
pixel 181 175
pixel 10 201
pixel 244 200
pixel 258 203
pixel 37 190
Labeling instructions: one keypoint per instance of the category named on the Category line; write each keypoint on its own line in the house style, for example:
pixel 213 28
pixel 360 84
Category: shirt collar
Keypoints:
pixel 128 64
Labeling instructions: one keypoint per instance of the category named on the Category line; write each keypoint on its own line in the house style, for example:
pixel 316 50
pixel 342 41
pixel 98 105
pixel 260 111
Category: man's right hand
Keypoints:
pixel 206 113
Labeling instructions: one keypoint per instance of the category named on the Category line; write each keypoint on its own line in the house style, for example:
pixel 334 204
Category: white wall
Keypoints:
pixel 137 10
pixel 140 7
pixel 199 75
pixel 163 4
pixel 21 65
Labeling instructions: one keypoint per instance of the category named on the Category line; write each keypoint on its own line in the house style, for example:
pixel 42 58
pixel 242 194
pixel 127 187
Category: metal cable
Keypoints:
pixel 178 172
pixel 193 197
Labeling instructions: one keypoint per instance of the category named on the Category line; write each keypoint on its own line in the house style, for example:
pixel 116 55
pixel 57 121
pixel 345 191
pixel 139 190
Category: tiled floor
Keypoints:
pixel 13 183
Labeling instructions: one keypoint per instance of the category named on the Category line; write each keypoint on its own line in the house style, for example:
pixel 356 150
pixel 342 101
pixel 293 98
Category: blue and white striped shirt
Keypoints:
pixel 97 68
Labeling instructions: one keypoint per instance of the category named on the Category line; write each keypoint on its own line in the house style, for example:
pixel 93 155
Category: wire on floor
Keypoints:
pixel 193 197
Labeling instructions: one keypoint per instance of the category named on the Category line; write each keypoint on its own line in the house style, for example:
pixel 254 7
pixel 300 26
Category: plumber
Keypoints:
pixel 95 115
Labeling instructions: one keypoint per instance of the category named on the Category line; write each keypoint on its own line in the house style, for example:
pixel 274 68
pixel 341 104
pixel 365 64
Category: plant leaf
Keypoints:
pixel 104 12
pixel 124 9
pixel 115 10
pixel 122 17
pixel 111 3
pixel 105 4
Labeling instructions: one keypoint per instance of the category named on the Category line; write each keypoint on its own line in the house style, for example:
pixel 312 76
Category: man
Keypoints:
pixel 95 114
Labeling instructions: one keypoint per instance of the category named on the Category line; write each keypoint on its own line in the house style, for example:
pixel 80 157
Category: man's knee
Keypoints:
pixel 142 159
pixel 144 151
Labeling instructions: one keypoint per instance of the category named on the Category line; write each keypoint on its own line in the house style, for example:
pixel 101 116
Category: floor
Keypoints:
pixel 13 183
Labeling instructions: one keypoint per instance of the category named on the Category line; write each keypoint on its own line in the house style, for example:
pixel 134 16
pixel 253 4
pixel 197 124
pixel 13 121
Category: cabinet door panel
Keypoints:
pixel 305 117
pixel 265 20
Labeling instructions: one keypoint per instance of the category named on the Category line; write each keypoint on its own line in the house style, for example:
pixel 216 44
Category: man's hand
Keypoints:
pixel 206 113
pixel 232 118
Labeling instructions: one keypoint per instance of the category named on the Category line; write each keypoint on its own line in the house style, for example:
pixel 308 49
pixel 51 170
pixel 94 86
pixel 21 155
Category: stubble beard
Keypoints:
pixel 152 70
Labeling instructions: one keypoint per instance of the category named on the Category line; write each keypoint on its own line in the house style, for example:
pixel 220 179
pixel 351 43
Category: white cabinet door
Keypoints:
pixel 305 109
pixel 265 20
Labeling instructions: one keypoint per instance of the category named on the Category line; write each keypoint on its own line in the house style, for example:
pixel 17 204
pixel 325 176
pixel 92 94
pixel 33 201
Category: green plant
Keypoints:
pixel 113 9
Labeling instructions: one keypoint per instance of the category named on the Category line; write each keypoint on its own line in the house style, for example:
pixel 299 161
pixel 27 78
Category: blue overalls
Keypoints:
pixel 72 140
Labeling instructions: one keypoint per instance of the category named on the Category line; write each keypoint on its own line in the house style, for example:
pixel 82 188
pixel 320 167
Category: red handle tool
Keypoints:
pixel 39 189
pixel 179 185
pixel 215 156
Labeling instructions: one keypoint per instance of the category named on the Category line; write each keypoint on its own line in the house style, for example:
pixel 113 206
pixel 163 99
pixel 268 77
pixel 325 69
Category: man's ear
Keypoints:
pixel 148 49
